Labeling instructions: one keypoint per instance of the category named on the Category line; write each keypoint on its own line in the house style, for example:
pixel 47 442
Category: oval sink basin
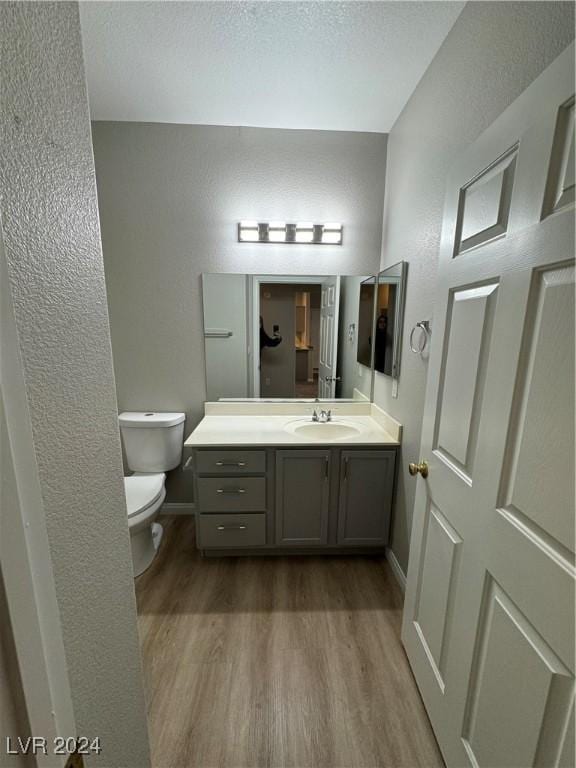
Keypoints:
pixel 331 430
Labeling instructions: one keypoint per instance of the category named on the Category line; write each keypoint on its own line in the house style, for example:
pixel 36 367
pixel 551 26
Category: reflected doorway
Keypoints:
pixel 290 339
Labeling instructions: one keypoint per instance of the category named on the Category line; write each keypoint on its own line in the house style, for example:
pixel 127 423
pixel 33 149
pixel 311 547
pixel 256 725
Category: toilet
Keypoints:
pixel 153 446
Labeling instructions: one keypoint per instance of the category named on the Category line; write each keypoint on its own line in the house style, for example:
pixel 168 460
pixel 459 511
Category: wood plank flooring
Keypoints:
pixel 292 662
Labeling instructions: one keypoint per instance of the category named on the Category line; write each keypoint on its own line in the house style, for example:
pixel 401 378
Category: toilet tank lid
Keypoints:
pixel 148 419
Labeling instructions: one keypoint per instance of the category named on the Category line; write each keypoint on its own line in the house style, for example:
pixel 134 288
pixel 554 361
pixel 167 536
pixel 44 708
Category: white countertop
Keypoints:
pixel 266 424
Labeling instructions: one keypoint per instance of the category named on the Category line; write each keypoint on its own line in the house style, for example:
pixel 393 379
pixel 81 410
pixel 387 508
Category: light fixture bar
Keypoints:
pixel 279 232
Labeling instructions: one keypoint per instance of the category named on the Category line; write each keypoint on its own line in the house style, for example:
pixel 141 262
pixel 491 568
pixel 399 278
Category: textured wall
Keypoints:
pixel 53 254
pixel 170 197
pixel 490 56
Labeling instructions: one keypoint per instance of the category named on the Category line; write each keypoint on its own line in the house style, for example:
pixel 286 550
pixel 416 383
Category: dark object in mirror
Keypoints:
pixel 269 341
pixel 366 321
pixel 389 317
pixel 385 326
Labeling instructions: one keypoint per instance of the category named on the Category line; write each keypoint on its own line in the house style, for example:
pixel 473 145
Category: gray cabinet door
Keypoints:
pixel 302 497
pixel 366 482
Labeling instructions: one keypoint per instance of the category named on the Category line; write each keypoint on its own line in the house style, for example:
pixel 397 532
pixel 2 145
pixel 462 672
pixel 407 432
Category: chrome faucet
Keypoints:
pixel 323 417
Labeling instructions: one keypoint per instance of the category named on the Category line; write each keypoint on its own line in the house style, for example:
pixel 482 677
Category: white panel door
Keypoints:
pixel 329 309
pixel 489 615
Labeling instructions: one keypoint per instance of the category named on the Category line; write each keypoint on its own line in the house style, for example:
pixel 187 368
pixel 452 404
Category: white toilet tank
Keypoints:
pixel 152 441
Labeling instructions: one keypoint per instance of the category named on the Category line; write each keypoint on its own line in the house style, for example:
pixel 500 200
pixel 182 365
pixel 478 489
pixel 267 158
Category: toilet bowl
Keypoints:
pixel 145 494
pixel 153 445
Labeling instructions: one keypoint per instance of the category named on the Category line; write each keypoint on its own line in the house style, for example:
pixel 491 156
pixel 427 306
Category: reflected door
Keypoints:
pixel 489 615
pixel 328 337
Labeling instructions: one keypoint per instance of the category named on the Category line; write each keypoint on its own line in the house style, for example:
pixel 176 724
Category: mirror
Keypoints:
pixel 288 336
pixel 390 296
pixel 366 321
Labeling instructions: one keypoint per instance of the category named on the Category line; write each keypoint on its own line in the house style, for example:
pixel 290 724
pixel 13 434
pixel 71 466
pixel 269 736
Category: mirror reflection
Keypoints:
pixel 288 336
pixel 366 321
pixel 389 315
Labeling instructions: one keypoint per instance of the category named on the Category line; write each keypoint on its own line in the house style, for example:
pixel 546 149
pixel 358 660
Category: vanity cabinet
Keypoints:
pixel 302 497
pixel 327 498
pixel 366 483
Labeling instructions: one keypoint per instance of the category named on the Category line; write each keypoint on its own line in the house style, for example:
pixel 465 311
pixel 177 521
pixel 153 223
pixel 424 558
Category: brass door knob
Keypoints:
pixel 421 468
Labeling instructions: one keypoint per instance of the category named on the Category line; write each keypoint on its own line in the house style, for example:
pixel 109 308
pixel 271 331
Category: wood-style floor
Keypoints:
pixel 276 661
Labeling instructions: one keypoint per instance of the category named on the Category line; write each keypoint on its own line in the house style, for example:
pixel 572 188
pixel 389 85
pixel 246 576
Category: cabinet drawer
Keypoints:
pixel 232 494
pixel 230 462
pixel 221 531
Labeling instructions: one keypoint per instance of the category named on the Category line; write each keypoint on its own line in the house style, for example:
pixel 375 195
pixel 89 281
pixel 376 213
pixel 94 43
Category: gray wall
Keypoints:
pixel 54 262
pixel 490 56
pixel 170 197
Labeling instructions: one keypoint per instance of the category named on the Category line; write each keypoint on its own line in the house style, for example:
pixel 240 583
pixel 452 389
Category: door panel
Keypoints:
pixel 538 480
pixel 468 339
pixel 560 187
pixel 302 497
pixel 520 695
pixel 484 204
pixel 568 749
pixel 436 588
pixel 489 613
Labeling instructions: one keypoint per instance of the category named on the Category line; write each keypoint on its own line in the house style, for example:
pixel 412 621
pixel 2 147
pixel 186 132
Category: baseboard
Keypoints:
pixel 174 508
pixel 396 569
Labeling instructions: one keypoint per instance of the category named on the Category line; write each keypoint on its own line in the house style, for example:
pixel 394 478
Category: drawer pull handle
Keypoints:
pixel 231 490
pixel 230 463
pixel 231 527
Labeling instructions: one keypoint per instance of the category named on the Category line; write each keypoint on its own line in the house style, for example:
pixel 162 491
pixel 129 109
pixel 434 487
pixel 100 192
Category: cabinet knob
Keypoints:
pixel 421 468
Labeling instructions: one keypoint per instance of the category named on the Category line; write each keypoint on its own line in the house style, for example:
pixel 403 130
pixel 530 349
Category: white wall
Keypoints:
pixel 54 264
pixel 170 198
pixel 489 57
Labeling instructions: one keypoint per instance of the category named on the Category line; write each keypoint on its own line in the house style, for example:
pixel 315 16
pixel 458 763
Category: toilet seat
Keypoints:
pixel 143 491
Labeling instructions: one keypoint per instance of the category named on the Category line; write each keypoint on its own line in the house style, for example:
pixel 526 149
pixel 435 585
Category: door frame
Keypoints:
pixel 25 558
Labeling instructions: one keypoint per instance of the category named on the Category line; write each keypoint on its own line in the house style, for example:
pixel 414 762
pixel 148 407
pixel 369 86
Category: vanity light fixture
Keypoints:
pixel 332 234
pixel 295 234
pixel 248 232
pixel 277 232
pixel 304 232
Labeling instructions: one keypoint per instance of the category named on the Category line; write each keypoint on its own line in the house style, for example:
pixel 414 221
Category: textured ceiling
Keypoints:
pixel 323 65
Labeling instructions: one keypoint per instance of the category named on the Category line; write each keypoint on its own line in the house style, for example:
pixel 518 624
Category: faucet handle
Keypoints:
pixel 314 416
pixel 329 415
